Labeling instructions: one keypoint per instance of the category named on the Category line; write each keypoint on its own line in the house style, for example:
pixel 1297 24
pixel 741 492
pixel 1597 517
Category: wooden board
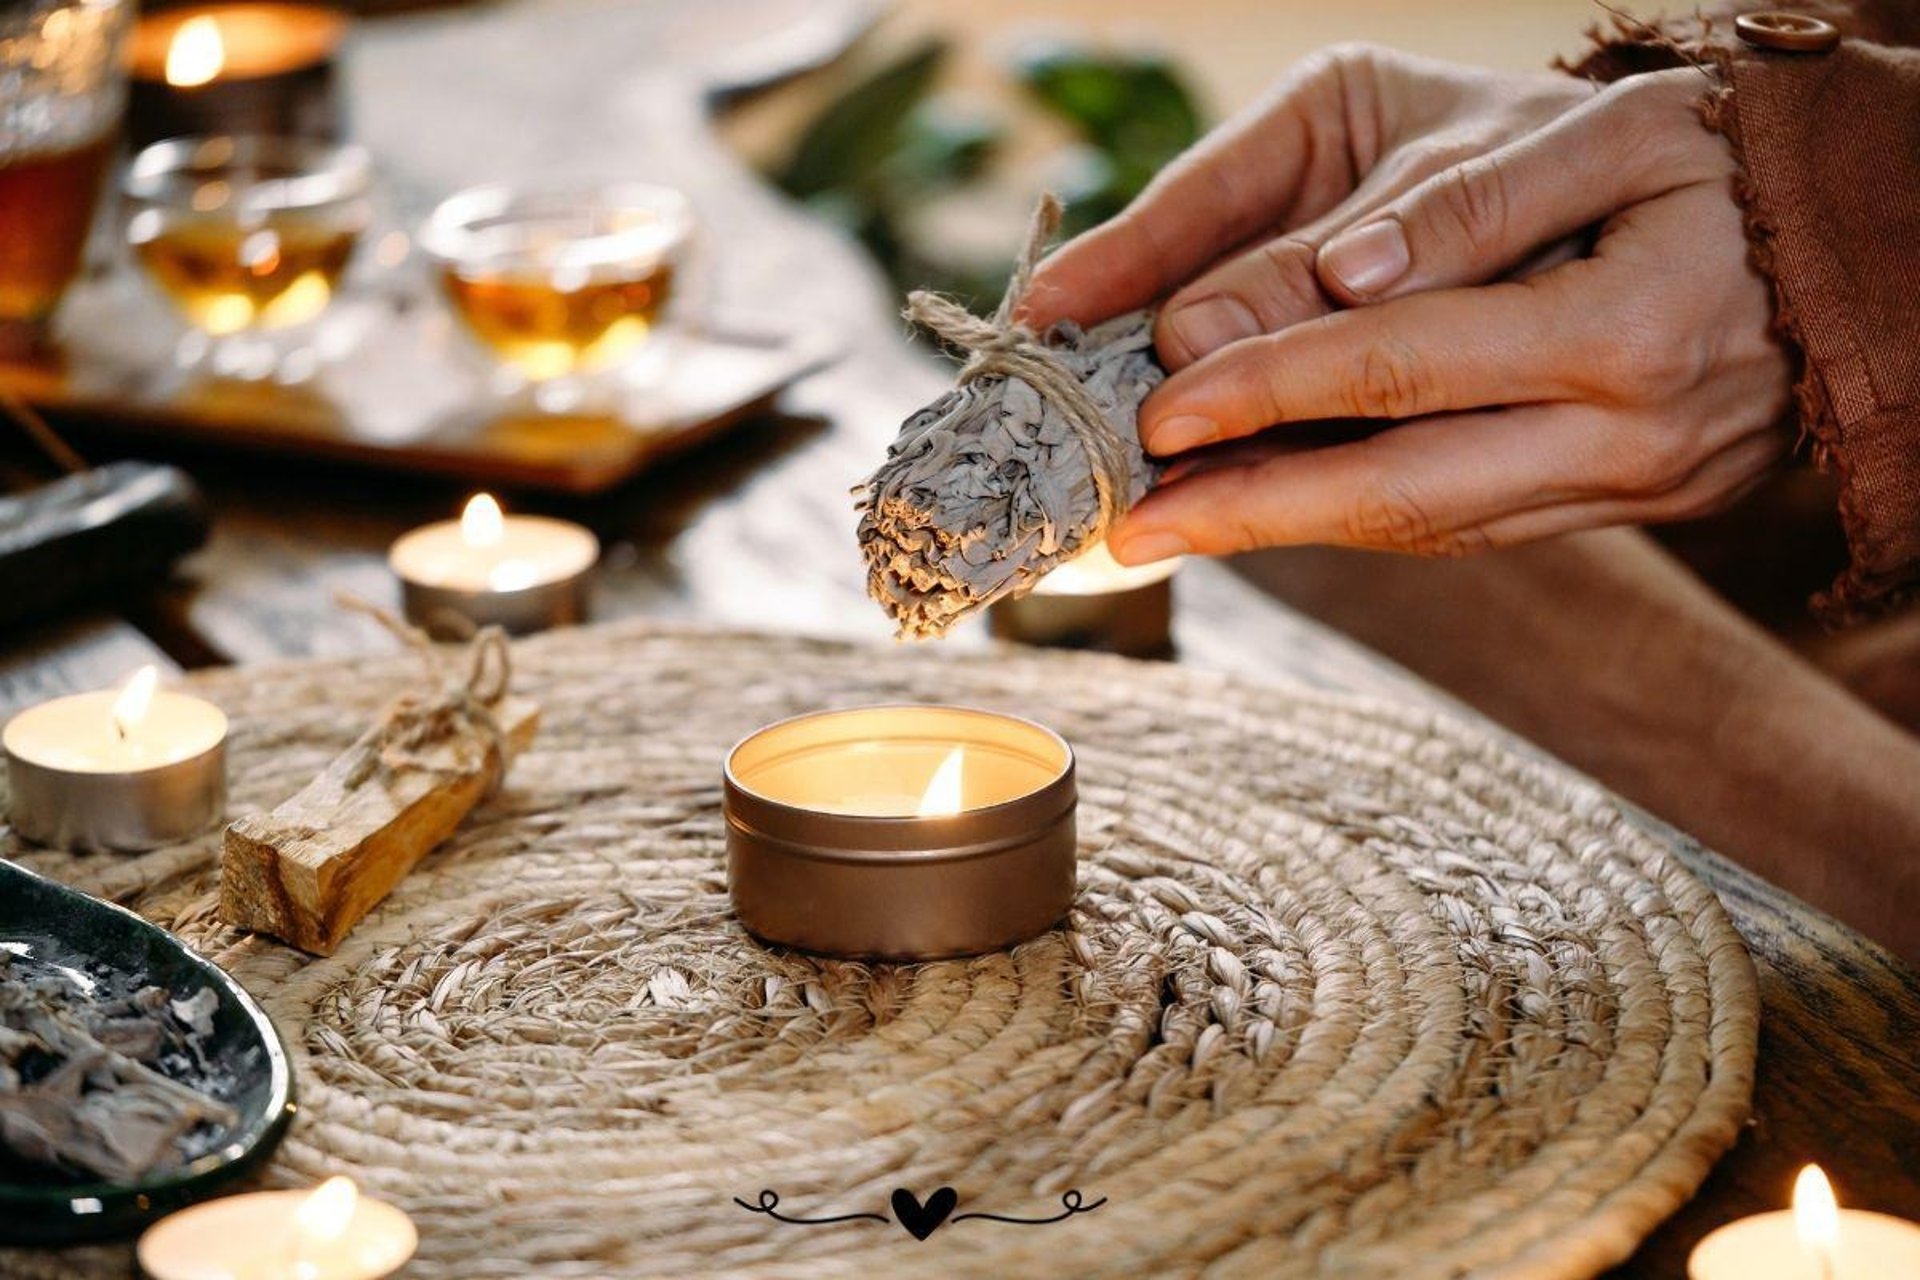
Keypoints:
pixel 400 389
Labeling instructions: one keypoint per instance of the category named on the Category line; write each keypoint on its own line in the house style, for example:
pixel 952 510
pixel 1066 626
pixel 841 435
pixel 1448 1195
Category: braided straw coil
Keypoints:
pixel 1350 989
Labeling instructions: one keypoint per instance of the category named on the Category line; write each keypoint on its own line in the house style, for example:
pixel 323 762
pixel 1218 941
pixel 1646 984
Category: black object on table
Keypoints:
pixel 93 534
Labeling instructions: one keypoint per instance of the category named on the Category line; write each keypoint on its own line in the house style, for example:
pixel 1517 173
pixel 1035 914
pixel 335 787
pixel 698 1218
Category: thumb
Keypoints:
pixel 1477 220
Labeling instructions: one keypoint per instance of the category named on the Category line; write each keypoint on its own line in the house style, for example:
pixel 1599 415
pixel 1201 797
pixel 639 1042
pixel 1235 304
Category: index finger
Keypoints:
pixel 1243 178
pixel 1468 348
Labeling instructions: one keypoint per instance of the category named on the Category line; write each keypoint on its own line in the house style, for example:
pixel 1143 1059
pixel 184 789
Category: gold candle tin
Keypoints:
pixel 826 852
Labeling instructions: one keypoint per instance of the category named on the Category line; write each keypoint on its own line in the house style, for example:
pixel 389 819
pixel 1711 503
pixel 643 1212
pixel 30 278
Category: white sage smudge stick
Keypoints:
pixel 1024 464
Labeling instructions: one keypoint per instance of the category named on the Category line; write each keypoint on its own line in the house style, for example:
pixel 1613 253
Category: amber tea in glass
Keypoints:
pixel 560 283
pixel 225 279
pixel 247 233
pixel 62 89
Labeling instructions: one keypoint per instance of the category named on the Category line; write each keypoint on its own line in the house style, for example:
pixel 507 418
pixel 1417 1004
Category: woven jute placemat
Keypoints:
pixel 1350 989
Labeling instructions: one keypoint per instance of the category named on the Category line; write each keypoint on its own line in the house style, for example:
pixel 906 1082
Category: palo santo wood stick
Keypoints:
pixel 310 869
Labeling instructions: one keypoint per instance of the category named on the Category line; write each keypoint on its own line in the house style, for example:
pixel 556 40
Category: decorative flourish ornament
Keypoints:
pixel 921 1218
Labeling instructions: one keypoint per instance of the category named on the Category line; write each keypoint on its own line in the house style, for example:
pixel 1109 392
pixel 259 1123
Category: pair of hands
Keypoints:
pixel 1535 296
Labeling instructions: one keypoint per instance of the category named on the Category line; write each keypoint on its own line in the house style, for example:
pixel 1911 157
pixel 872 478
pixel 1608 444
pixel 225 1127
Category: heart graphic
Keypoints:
pixel 921 1219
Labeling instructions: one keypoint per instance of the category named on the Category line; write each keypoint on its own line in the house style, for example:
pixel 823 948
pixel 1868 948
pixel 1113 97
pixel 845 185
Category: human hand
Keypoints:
pixel 1638 384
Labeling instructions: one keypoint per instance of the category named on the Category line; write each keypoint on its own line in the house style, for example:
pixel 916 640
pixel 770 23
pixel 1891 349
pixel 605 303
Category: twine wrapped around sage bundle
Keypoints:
pixel 1026 463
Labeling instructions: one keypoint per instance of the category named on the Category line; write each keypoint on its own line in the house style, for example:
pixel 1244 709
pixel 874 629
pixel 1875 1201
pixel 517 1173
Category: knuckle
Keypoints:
pixel 1233 523
pixel 1654 363
pixel 1655 120
pixel 1393 382
pixel 1475 199
pixel 1392 515
pixel 1238 533
pixel 1288 282
pixel 1655 459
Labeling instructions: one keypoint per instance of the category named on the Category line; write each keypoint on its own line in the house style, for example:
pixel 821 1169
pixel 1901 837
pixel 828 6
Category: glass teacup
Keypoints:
pixel 562 285
pixel 245 235
pixel 62 90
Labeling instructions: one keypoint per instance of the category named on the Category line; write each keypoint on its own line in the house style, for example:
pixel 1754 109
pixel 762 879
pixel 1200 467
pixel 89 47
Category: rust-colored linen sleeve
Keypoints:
pixel 1829 149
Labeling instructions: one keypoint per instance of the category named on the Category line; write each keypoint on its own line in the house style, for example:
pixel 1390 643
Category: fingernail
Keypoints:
pixel 1367 260
pixel 1145 548
pixel 1205 326
pixel 1181 433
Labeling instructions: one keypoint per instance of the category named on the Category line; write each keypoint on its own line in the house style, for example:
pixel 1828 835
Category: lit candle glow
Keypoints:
pixel 900 832
pixel 1814 1240
pixel 197 53
pixel 131 707
pixel 481 522
pixel 329 1233
pixel 1094 602
pixel 323 1216
pixel 128 768
pixel 1816 1217
pixel 944 792
pixel 1094 572
pixel 522 572
pixel 117 731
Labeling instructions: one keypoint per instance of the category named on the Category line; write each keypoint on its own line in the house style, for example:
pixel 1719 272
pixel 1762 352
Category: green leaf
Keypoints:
pixel 850 140
pixel 941 145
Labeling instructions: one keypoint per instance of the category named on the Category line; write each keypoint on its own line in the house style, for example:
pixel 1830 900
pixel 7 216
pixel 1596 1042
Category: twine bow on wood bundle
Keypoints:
pixel 454 710
pixel 1026 463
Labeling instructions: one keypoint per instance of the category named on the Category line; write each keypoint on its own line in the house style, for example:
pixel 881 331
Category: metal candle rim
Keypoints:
pixel 901 837
pixel 8 752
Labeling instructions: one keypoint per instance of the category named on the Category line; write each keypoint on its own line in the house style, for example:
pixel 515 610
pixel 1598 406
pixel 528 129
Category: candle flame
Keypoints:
pixel 1816 1215
pixel 942 796
pixel 196 53
pixel 323 1216
pixel 130 708
pixel 481 524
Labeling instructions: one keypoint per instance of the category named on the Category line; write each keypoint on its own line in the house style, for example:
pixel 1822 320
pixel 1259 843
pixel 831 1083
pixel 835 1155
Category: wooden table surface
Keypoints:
pixel 756 530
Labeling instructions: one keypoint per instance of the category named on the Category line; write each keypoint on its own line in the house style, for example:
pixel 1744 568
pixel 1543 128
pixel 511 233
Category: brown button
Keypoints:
pixel 1787 32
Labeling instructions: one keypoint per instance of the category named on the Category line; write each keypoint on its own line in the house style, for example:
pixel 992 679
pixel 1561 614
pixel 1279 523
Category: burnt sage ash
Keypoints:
pixel 91 1081
pixel 1026 463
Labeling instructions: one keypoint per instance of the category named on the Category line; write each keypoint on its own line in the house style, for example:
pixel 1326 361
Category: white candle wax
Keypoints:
pixel 1095 572
pixel 259 1236
pixel 944 794
pixel 528 551
pixel 78 734
pixel 1867 1246
pixel 130 770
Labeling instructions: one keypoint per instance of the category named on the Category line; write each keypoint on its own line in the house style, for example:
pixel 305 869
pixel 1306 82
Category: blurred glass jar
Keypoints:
pixel 561 284
pixel 246 234
pixel 62 92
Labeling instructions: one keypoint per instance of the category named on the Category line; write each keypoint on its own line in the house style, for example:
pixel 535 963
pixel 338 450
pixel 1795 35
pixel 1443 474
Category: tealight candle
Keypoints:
pixel 129 770
pixel 522 573
pixel 900 832
pixel 330 1233
pixel 1815 1240
pixel 249 67
pixel 1094 602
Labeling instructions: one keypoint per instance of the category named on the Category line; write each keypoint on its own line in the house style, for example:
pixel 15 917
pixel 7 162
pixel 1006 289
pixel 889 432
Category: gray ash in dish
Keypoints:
pixel 94 1073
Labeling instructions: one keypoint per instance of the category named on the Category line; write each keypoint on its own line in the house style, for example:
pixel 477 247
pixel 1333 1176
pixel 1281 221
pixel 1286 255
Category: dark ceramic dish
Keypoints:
pixel 246 1065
